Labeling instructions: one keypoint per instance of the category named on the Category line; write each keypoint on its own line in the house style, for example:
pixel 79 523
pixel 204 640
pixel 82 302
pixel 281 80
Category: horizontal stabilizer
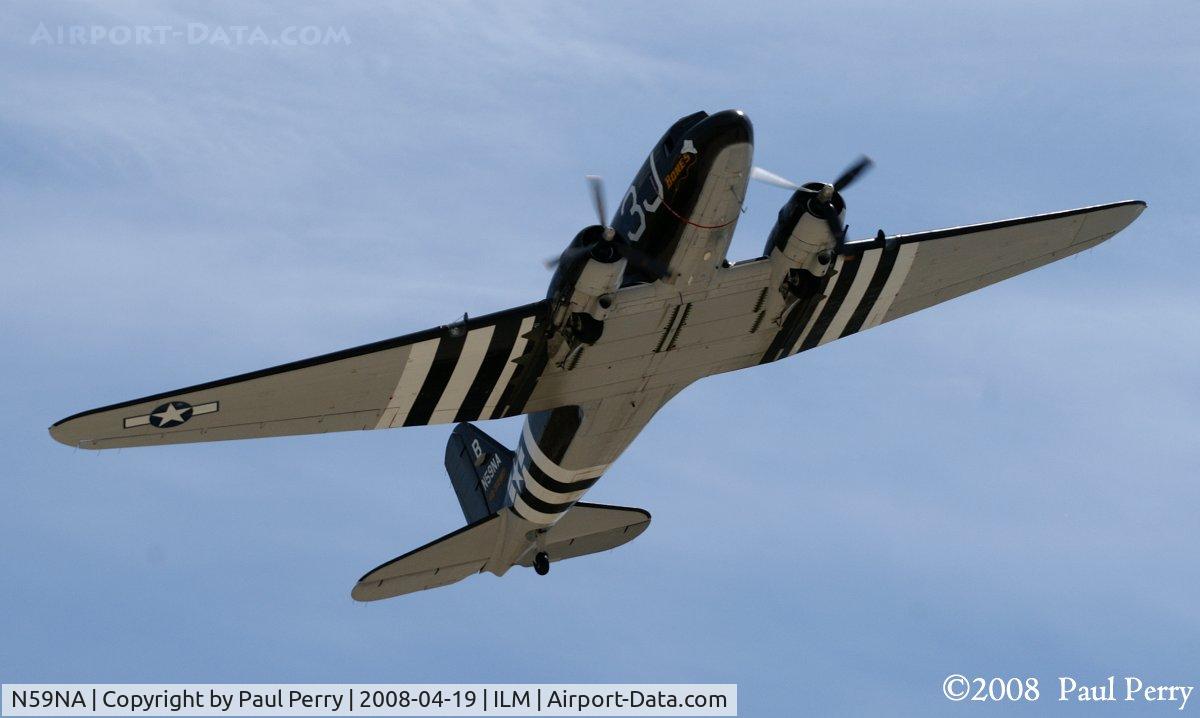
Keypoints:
pixel 592 528
pixel 497 543
pixel 447 560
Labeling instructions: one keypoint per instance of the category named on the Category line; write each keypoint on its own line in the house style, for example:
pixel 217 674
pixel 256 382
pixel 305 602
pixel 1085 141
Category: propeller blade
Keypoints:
pixel 596 183
pixel 768 177
pixel 634 256
pixel 566 257
pixel 836 229
pixel 852 172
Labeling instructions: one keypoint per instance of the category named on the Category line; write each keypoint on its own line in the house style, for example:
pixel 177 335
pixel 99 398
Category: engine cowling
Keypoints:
pixel 801 248
pixel 589 268
pixel 802 235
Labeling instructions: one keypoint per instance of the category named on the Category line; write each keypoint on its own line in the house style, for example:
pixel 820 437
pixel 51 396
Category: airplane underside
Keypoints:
pixel 640 306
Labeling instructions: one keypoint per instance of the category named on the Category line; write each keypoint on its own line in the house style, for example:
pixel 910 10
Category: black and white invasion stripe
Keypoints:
pixel 858 295
pixel 540 490
pixel 457 376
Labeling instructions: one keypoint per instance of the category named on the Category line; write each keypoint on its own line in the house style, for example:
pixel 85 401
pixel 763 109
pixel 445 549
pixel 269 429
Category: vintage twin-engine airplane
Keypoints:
pixel 638 308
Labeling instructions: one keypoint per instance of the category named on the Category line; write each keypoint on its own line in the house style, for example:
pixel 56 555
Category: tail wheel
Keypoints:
pixel 541 563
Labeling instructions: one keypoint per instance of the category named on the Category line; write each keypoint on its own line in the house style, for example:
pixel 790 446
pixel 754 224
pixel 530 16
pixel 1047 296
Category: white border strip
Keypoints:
pixel 891 289
pixel 416 368
pixel 552 469
pixel 413 699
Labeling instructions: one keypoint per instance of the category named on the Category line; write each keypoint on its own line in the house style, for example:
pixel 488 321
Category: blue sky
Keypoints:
pixel 1002 485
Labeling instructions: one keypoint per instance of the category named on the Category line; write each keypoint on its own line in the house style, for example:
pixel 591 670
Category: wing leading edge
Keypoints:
pixel 482 368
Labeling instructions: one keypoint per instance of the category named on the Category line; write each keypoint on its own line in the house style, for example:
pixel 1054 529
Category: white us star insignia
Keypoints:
pixel 172 413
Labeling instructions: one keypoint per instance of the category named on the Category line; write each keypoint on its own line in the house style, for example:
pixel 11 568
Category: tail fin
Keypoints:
pixel 478 466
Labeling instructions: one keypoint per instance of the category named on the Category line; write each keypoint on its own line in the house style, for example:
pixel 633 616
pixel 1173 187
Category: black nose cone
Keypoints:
pixel 728 127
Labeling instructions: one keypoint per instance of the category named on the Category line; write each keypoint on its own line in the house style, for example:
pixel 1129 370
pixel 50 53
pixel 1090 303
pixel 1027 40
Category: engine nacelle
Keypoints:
pixel 589 268
pixel 802 236
pixel 801 248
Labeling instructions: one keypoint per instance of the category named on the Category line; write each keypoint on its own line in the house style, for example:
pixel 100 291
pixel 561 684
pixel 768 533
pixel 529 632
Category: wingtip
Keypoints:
pixel 57 434
pixel 1119 215
pixel 59 431
pixel 1137 206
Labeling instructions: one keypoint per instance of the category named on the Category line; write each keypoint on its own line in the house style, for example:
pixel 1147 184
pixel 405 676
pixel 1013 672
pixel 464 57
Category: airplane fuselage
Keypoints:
pixel 681 208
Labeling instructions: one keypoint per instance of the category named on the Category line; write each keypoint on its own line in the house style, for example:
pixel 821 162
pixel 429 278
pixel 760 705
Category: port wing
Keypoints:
pixel 465 371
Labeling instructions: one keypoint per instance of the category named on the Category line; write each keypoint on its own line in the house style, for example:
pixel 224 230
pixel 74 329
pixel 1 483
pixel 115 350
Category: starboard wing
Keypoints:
pixel 898 275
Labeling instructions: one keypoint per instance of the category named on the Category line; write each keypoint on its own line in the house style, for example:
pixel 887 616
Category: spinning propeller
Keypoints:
pixel 822 204
pixel 610 244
